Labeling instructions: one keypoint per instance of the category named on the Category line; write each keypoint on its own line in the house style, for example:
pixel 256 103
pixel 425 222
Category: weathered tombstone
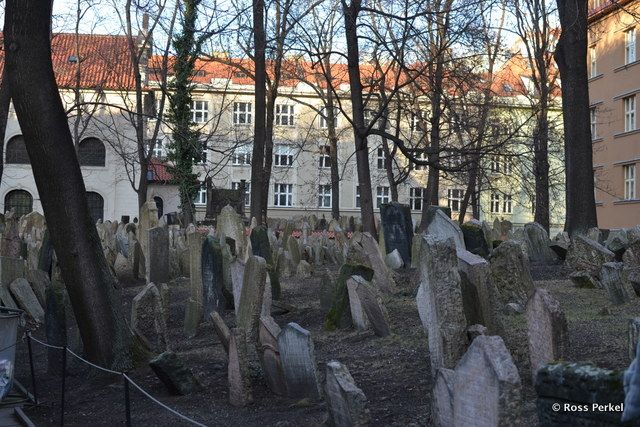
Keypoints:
pixel 39 281
pixel 10 245
pixel 487 388
pixel 587 255
pixel 358 316
pixel 26 299
pixel 582 279
pixel 148 320
pixel 394 260
pixel 382 278
pixel 439 302
pixel 251 297
pixel 294 250
pixel 212 280
pixel 371 305
pixel 415 250
pixel 339 315
pixel 398 229
pixel 443 227
pixel 261 247
pixel 617 289
pixel 474 239
pixel 546 329
pixel 538 244
pixel 347 404
pixel 157 262
pixel 510 273
pixel 573 385
pixel 298 362
pixel 192 316
pixel 148 220
pixel 176 377
pixel 631 414
pixel 634 335
pixel 270 355
pixel 55 323
pixel 10 270
pixel 442 400
pixel 230 224
pixel 221 329
pixel 238 369
pixel 237 276
pixel 480 298
pixel 304 270
pixel 194 242
pixel 560 244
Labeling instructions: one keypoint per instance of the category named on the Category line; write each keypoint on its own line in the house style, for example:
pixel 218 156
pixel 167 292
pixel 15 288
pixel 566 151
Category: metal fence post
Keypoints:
pixel 33 374
pixel 127 401
pixel 64 377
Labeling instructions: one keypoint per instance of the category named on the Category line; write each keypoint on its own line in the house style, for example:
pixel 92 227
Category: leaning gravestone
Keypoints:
pixel 338 315
pixel 587 255
pixel 230 224
pixel 347 404
pixel 26 299
pixel 439 302
pixel 443 227
pixel 148 320
pixel 176 377
pixel 358 316
pixel 294 250
pixel 487 389
pixel 398 229
pixel 618 290
pixel 631 414
pixel 11 244
pixel 260 246
pixel 371 305
pixel 634 335
pixel 442 401
pixel 10 270
pixel 510 273
pixel 270 355
pixel 538 244
pixel 546 329
pixel 238 369
pixel 382 277
pixel 212 279
pixel 298 362
pixel 474 238
pixel 251 297
pixel 195 241
pixel 158 259
pixel 237 276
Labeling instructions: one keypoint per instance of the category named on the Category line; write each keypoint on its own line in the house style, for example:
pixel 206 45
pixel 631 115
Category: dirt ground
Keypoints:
pixel 393 372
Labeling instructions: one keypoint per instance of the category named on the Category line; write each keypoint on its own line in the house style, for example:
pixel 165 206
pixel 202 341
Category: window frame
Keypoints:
pixel 630 116
pixel 593 121
pixel 629 179
pixel 242 110
pixel 593 61
pixel 280 190
pixel 242 155
pixel 630 38
pixel 454 198
pixel 235 185
pixel 382 195
pixel 324 157
pixel 289 115
pixel 415 201
pixel 282 152
pixel 199 111
pixel 324 196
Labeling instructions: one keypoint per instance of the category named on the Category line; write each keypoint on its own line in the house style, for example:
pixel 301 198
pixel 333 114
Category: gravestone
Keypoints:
pixel 237 276
pixel 260 246
pixel 45 257
pixel 634 335
pixel 10 270
pixel 560 244
pixel 382 278
pixel 298 362
pixel 480 298
pixel 631 414
pixel 212 279
pixel 230 224
pixel 221 330
pixel 487 390
pixel 339 315
pixel 157 262
pixel 510 273
pixel 195 241
pixel 148 220
pixel 443 227
pixel 474 238
pixel 618 290
pixel 587 255
pixel 371 305
pixel 415 250
pixel 442 400
pixel 573 384
pixel 148 319
pixel 251 297
pixel 546 330
pixel 55 324
pixel 347 404
pixel 358 316
pixel 270 355
pixel 294 250
pixel 238 369
pixel 39 281
pixel 26 299
pixel 192 316
pixel 11 243
pixel 176 377
pixel 398 229
pixel 538 244
pixel 439 302
pixel 394 260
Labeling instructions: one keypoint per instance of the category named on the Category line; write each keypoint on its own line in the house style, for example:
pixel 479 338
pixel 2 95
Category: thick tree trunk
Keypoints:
pixel 541 166
pixel 333 143
pixel 59 180
pixel 362 150
pixel 257 159
pixel 571 54
pixel 5 102
pixel 268 149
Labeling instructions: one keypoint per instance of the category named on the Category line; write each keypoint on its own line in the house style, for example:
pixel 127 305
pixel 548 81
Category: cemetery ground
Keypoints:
pixel 393 372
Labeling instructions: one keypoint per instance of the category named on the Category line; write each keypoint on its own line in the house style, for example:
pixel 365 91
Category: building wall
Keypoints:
pixel 613 147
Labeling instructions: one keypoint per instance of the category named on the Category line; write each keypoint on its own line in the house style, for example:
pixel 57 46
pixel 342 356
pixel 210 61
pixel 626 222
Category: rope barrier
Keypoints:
pixel 125 376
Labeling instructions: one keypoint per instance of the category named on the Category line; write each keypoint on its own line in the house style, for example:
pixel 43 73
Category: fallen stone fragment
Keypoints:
pixel 176 377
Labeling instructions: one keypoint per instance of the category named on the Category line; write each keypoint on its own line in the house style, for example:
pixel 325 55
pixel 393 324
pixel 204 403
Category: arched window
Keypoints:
pixel 91 152
pixel 18 200
pixel 159 205
pixel 17 151
pixel 96 206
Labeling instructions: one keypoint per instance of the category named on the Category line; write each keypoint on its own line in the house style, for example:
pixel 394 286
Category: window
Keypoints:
pixel 416 122
pixel 18 200
pixel 630 46
pixel 241 155
pixel 506 204
pixel 415 198
pixel 500 164
pixel 324 196
pixel 381 156
pixel 96 206
pixel 629 182
pixel 324 161
pixel 357 196
pixel 242 113
pixel 454 198
pixel 159 205
pixel 247 191
pixel 368 116
pixel 629 113
pixel 91 152
pixel 158 149
pixel 594 122
pixel 495 203
pixel 283 194
pixel 593 58
pixel 199 111
pixel 382 196
pixel 324 113
pixel 17 151
pixel 284 115
pixel 420 156
pixel 201 195
pixel 283 155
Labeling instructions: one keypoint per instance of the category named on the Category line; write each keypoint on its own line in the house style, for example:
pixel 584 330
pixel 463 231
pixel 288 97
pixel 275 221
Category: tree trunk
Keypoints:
pixel 362 150
pixel 59 181
pixel 257 159
pixel 570 55
pixel 541 165
pixel 268 150
pixel 333 143
pixel 5 102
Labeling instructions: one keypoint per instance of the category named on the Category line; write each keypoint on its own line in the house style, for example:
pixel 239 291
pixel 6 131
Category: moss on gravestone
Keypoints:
pixel 340 305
